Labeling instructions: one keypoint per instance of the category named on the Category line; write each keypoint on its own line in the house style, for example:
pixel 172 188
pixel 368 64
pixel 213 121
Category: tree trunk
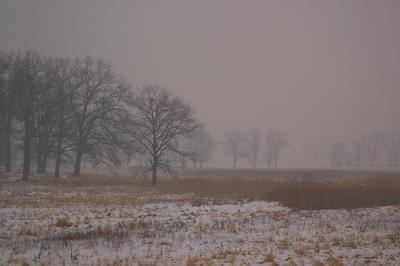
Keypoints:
pixel 128 160
pixel 60 133
pixel 183 162
pixel 27 152
pixel 58 157
pixel 78 161
pixel 154 176
pixel 58 164
pixel 41 166
pixel 8 144
pixel 42 154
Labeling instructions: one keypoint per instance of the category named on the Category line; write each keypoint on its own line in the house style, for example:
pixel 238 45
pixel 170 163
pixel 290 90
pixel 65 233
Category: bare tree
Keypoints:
pixel 7 108
pixel 65 81
pixel 392 147
pixel 159 119
pixel 27 80
pixel 253 146
pixel 97 110
pixel 359 151
pixel 45 118
pixel 314 150
pixel 201 146
pixel 338 154
pixel 375 146
pixel 275 142
pixel 234 145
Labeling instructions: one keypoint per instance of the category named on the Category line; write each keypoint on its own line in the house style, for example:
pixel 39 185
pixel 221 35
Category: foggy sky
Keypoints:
pixel 318 70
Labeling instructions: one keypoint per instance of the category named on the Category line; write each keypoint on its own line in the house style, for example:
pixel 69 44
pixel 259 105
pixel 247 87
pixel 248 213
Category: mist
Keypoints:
pixel 199 132
pixel 318 71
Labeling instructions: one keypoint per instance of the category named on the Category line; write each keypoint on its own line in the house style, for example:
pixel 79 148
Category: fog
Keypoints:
pixel 316 70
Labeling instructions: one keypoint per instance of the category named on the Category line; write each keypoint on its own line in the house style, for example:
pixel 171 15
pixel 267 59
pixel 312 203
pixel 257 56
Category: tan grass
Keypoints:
pixel 301 193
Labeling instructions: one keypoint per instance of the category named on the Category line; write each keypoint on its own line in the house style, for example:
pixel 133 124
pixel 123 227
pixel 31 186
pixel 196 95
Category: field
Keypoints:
pixel 207 217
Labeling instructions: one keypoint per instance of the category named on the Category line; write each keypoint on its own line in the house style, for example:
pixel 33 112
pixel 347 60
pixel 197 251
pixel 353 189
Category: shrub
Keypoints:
pixel 63 222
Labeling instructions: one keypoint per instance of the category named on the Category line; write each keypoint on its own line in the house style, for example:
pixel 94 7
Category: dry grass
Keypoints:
pixel 303 192
pixel 295 188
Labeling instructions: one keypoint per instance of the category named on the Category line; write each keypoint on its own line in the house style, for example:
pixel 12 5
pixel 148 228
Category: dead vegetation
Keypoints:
pixel 305 192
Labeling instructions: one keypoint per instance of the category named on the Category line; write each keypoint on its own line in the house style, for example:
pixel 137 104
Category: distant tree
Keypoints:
pixel 338 154
pixel 314 151
pixel 233 143
pixel 253 146
pixel 201 146
pixel 359 151
pixel 374 147
pixel 160 119
pixel 391 143
pixel 275 142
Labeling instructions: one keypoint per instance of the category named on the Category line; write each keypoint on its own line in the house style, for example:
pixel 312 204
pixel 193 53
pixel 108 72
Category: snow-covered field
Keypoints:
pixel 118 226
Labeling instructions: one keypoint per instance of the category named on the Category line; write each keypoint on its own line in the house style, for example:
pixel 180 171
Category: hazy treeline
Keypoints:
pixel 56 111
pixel 369 150
pixel 253 147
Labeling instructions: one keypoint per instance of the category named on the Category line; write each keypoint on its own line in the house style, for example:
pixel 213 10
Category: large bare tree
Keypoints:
pixel 7 108
pixel 160 119
pixel 27 80
pixel 64 76
pixel 98 111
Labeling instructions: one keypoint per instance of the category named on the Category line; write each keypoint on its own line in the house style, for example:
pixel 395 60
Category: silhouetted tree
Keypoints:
pixel 97 111
pixel 64 76
pixel 7 108
pixel 27 80
pixel 160 119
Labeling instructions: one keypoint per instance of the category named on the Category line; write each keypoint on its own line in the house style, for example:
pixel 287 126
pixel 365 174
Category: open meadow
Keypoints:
pixel 204 218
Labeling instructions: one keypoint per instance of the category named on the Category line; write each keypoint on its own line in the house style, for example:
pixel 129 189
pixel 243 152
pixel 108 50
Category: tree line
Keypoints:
pixel 57 112
pixel 253 147
pixel 369 150
pixel 64 110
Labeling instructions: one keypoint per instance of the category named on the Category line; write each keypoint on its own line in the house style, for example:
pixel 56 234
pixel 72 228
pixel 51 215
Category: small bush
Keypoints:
pixel 63 222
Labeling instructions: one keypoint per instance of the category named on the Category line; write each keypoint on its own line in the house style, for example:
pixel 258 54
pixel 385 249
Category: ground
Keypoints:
pixel 118 223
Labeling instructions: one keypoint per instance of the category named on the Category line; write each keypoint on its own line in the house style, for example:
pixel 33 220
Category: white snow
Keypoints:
pixel 171 231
